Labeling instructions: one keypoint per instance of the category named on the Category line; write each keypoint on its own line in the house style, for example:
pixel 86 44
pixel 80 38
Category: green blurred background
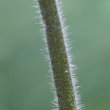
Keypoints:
pixel 24 75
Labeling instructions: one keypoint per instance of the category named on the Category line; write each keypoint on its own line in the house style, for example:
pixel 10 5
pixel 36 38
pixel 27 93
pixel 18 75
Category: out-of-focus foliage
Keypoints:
pixel 24 75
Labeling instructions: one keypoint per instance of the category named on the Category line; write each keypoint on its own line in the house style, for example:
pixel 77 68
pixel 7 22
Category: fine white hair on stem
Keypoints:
pixel 38 16
pixel 68 51
pixel 79 106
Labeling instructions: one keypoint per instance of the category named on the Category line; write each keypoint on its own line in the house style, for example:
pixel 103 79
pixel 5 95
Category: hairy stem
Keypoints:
pixel 58 54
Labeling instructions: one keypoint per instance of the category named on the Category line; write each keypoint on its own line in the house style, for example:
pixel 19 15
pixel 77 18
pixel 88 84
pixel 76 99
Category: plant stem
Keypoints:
pixel 58 55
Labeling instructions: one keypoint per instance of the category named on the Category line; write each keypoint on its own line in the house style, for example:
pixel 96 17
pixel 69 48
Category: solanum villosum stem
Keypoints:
pixel 58 55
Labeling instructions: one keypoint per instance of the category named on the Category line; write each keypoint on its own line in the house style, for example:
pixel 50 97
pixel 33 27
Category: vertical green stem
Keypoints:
pixel 58 55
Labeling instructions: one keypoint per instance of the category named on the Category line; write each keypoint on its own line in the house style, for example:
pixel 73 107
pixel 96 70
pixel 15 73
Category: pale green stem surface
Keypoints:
pixel 58 55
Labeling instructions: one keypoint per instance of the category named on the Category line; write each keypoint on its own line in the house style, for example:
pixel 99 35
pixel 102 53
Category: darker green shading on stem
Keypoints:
pixel 58 55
